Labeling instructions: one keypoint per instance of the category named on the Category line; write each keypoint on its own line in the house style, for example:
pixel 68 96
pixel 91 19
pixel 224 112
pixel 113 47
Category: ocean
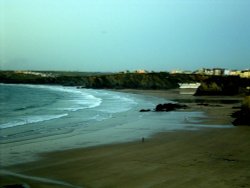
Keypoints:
pixel 41 118
pixel 48 109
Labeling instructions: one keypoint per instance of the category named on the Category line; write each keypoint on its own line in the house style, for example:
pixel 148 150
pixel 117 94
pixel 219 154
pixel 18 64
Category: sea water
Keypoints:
pixel 40 118
pixel 40 109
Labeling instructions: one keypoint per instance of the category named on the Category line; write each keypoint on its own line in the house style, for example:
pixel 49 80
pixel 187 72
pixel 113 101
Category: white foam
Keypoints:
pixel 99 117
pixel 124 99
pixel 31 119
pixel 91 100
pixel 118 103
pixel 82 98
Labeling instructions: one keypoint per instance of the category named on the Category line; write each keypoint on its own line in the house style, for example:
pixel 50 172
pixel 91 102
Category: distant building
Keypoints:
pixel 176 72
pixel 141 71
pixel 208 72
pixel 227 72
pixel 35 73
pixel 235 73
pixel 188 88
pixel 218 71
pixel 204 71
pixel 215 71
pixel 245 74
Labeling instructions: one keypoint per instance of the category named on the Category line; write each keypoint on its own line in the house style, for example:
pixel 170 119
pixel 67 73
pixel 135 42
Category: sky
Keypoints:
pixel 118 35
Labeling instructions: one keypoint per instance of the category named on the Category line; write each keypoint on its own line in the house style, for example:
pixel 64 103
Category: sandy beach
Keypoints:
pixel 207 157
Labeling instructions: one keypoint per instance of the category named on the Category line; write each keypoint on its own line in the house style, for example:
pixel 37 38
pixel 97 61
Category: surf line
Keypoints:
pixel 38 179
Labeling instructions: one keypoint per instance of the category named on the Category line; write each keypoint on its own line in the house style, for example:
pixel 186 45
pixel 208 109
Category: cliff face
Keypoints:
pixel 218 85
pixel 109 81
pixel 210 85
pixel 133 81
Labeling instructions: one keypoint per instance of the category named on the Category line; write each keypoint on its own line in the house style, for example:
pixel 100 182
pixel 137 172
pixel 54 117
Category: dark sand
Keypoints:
pixel 204 158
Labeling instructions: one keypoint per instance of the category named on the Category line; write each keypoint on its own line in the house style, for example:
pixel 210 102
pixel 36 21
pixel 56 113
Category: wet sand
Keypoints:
pixel 207 157
pixel 217 108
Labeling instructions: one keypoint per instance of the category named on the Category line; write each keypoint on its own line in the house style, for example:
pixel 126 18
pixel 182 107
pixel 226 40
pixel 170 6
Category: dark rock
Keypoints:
pixel 236 107
pixel 242 117
pixel 169 107
pixel 145 110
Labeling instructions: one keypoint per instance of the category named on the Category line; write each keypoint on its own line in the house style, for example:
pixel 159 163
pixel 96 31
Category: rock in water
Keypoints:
pixel 145 110
pixel 169 107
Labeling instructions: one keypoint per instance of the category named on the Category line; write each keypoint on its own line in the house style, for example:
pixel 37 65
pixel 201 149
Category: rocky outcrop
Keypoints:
pixel 242 117
pixel 166 107
pixel 145 110
pixel 169 107
pixel 218 85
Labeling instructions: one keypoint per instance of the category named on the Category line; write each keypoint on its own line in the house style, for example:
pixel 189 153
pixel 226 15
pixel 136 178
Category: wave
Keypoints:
pixel 91 100
pixel 117 102
pixel 101 103
pixel 31 119
pixel 77 98
pixel 125 99
pixel 82 99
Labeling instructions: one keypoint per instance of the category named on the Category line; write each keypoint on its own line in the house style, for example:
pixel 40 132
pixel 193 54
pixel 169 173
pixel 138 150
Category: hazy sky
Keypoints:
pixel 114 35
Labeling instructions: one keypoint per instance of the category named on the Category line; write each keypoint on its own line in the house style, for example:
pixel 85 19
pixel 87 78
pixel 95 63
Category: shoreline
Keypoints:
pixel 203 158
pixel 122 127
pixel 216 113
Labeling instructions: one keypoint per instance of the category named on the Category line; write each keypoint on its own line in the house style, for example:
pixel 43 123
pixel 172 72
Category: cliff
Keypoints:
pixel 242 116
pixel 162 80
pixel 210 85
pixel 218 85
